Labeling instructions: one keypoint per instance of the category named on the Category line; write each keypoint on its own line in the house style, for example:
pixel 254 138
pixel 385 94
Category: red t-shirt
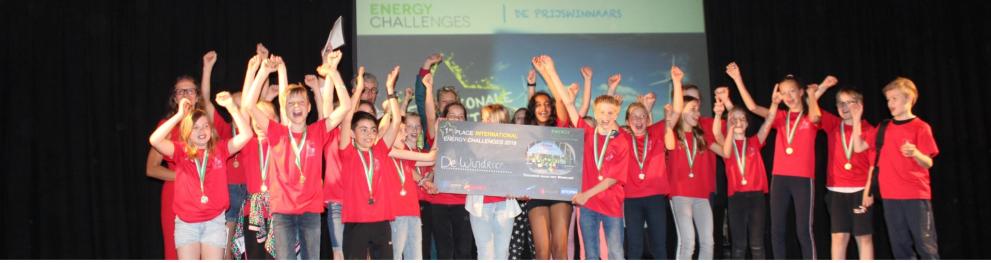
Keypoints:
pixel 754 171
pixel 801 162
pixel 836 174
pixel 708 157
pixel 445 198
pixel 187 203
pixel 251 160
pixel 332 187
pixel 615 165
pixel 290 194
pixel 235 169
pixel 385 185
pixel 902 177
pixel 699 185
pixel 655 181
pixel 409 204
pixel 421 192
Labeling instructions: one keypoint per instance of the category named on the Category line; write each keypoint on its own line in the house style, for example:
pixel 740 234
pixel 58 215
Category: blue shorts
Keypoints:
pixel 237 193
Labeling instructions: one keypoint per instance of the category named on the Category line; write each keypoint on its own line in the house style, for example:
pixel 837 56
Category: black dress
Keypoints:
pixel 521 244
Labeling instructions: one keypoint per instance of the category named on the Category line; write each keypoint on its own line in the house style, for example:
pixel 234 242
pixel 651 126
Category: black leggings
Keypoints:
pixel 452 231
pixel 362 240
pixel 426 228
pixel 252 248
pixel 785 189
pixel 746 224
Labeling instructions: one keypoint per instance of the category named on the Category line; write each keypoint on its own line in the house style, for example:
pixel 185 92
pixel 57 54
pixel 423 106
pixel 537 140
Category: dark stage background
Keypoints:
pixel 88 80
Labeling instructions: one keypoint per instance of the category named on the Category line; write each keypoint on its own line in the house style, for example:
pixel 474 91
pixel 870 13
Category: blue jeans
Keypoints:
pixel 334 226
pixel 289 228
pixel 652 210
pixel 910 225
pixel 613 227
pixel 237 194
pixel 493 229
pixel 407 238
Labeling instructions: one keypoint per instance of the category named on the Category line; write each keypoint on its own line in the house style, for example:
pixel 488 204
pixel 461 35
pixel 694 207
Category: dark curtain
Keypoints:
pixel 941 45
pixel 88 80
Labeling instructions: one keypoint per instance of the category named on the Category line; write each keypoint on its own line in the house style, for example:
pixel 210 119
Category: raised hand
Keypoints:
pixel 311 81
pixel 718 108
pixel 261 51
pixel 185 106
pixel 225 100
pixel 409 93
pixel 586 72
pixel 614 80
pixel 334 58
pixel 722 94
pixel 277 61
pixel 857 111
pixel 432 59
pixel 254 62
pixel 776 95
pixel 573 90
pixel 677 74
pixel 811 89
pixel 828 82
pixel 649 99
pixel 209 59
pixel 390 83
pixel 531 77
pixel 733 71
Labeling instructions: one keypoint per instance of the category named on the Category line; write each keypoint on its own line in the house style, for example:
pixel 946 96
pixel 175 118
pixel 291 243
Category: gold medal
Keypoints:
pixel 744 181
pixel 642 176
pixel 847 166
pixel 302 179
pixel 235 164
pixel 600 178
pixel 203 199
pixel 691 175
pixel 402 192
pixel 264 188
pixel 789 150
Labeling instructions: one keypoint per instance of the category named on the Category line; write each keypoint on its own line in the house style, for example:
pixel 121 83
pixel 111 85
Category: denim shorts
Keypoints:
pixel 237 193
pixel 212 232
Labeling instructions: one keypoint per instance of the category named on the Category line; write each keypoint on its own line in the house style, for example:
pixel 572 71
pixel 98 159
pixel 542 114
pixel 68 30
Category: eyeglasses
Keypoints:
pixel 184 92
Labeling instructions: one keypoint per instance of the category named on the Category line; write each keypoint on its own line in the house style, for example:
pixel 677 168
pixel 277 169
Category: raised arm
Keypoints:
pixel 826 83
pixel 154 168
pixel 283 85
pixel 613 83
pixel 430 102
pixel 677 105
pixel 336 116
pixel 407 97
pixel 244 131
pixel 545 66
pixel 734 72
pixel 250 99
pixel 531 83
pixel 587 93
pixel 413 155
pixel 390 86
pixel 317 86
pixel 158 138
pixel 814 113
pixel 346 128
pixel 209 59
pixel 721 145
pixel 765 128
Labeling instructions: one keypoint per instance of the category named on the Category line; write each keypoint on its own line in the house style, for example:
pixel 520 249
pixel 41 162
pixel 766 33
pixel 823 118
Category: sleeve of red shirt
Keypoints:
pixel 275 130
pixel 319 128
pixel 828 121
pixel 178 152
pixel 222 149
pixel 925 142
pixel 223 128
pixel 779 119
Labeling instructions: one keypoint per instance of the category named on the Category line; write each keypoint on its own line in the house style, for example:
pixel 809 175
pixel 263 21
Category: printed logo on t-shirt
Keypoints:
pixel 311 151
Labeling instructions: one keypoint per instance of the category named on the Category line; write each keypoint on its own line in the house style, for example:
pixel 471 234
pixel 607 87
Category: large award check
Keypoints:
pixel 509 160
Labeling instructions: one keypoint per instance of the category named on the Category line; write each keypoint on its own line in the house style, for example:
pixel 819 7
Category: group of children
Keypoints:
pixel 256 189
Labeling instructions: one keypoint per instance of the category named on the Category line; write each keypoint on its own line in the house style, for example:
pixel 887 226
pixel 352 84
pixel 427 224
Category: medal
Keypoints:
pixel 741 160
pixel 201 170
pixel 402 176
pixel 235 163
pixel 264 188
pixel 369 169
pixel 402 192
pixel 790 129
pixel 263 156
pixel 636 154
pixel 601 154
pixel 847 147
pixel 691 154
pixel 298 149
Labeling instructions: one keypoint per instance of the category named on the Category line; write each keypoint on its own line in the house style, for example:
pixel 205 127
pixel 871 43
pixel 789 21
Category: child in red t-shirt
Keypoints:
pixel 201 181
pixel 794 159
pixel 606 166
pixel 906 155
pixel 746 179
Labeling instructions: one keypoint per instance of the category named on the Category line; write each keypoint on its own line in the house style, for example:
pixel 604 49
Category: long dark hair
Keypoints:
pixel 531 106
pixel 173 104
